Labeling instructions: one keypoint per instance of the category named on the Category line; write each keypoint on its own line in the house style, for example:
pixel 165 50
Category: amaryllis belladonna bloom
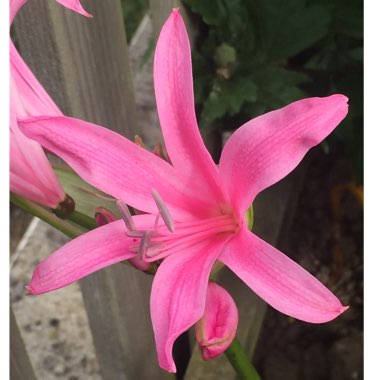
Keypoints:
pixel 31 175
pixel 195 210
pixel 217 328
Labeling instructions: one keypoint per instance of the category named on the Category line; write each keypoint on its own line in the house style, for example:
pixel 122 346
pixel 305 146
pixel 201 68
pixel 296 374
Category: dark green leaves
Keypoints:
pixel 253 56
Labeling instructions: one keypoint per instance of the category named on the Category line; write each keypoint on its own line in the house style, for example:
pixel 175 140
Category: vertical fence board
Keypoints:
pixel 84 65
pixel 20 367
pixel 160 10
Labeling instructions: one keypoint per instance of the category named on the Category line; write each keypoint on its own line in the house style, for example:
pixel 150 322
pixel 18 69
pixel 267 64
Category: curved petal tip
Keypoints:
pixel 76 6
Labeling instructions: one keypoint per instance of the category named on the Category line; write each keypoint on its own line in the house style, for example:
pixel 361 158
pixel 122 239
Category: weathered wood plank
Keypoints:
pixel 47 345
pixel 160 10
pixel 20 367
pixel 90 78
pixel 83 63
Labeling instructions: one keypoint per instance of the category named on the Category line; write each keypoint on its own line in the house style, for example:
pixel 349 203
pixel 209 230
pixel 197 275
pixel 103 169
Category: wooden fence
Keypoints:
pixel 85 66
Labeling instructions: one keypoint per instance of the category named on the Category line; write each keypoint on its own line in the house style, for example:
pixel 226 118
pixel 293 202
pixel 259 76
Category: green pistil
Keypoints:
pixel 249 217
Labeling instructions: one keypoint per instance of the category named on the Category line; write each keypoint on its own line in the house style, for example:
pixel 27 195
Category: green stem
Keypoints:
pixel 240 361
pixel 47 216
pixel 82 219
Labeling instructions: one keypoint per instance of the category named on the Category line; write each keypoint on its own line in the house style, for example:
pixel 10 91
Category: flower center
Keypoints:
pixel 164 239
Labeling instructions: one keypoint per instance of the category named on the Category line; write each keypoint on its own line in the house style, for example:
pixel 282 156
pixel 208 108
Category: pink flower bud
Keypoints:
pixel 217 328
pixel 103 216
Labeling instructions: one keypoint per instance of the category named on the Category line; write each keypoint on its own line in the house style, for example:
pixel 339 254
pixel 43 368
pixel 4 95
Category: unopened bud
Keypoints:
pixel 217 328
pixel 103 216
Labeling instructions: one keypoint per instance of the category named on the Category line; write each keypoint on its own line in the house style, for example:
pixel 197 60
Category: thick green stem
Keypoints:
pixel 47 216
pixel 82 219
pixel 240 361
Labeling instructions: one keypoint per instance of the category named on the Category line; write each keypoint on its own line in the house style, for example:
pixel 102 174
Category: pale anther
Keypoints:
pixel 164 211
pixel 126 215
pixel 135 234
pixel 145 241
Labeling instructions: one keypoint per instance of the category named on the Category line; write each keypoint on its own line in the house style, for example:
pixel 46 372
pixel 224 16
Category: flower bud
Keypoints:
pixel 217 328
pixel 103 216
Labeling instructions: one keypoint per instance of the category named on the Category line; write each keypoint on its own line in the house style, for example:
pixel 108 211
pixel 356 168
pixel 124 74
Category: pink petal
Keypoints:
pixel 269 147
pixel 74 5
pixel 29 163
pixel 115 165
pixel 25 188
pixel 32 176
pixel 178 295
pixel 86 254
pixel 173 84
pixel 217 328
pixel 280 281
pixel 14 7
pixel 28 97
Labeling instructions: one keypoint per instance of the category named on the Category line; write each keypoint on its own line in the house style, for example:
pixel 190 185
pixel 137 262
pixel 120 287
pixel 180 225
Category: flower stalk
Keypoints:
pixel 240 361
pixel 47 216
pixel 82 220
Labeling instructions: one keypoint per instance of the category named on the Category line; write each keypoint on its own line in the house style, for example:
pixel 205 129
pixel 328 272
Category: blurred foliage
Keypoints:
pixel 253 56
pixel 133 12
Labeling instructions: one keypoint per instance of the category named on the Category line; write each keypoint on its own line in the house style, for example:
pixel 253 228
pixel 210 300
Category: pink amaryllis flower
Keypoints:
pixel 31 175
pixel 195 210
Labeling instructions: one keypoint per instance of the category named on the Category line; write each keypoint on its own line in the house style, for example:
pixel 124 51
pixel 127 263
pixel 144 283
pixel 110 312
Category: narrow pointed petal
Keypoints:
pixel 173 85
pixel 114 164
pixel 280 281
pixel 75 6
pixel 217 328
pixel 269 147
pixel 86 254
pixel 178 295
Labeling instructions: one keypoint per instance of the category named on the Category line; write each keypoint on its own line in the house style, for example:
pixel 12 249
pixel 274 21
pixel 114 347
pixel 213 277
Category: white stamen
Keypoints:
pixel 135 234
pixel 145 241
pixel 126 215
pixel 156 221
pixel 164 211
